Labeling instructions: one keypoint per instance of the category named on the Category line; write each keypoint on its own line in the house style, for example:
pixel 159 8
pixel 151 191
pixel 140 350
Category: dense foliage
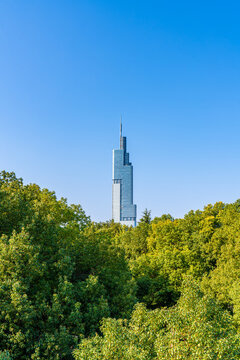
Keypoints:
pixel 196 328
pixel 168 288
pixel 59 275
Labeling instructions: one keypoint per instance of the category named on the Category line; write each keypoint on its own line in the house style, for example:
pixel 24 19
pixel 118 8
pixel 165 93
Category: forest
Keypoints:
pixel 73 289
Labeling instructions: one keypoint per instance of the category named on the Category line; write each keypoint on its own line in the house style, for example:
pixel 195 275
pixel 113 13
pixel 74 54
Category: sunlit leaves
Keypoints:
pixel 196 328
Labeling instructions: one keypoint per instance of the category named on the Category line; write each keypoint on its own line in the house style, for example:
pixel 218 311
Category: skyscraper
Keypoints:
pixel 123 209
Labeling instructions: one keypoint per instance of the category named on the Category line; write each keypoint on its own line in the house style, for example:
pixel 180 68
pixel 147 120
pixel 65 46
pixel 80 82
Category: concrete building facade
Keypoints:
pixel 123 209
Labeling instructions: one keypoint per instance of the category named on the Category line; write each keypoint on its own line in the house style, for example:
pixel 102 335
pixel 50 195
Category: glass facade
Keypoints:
pixel 123 209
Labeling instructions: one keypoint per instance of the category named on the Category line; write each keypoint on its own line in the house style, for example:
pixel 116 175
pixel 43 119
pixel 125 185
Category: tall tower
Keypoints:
pixel 123 209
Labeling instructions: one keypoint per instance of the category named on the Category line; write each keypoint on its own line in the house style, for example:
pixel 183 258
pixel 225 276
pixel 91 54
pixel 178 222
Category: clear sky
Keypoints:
pixel 69 69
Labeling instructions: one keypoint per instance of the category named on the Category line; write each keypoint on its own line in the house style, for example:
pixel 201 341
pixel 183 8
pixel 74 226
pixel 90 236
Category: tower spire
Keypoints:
pixel 121 126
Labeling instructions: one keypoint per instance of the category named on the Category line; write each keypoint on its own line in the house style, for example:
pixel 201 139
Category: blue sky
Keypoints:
pixel 69 69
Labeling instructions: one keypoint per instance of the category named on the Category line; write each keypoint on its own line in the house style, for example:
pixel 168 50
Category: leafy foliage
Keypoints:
pixel 4 355
pixel 196 328
pixel 59 275
pixel 205 245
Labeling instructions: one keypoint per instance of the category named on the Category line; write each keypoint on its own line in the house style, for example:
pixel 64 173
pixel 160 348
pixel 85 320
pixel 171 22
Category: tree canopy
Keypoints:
pixel 59 273
pixel 196 328
pixel 72 288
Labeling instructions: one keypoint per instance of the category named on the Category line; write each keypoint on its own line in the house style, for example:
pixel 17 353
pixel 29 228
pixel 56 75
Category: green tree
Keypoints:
pixel 196 328
pixel 59 274
pixel 146 217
